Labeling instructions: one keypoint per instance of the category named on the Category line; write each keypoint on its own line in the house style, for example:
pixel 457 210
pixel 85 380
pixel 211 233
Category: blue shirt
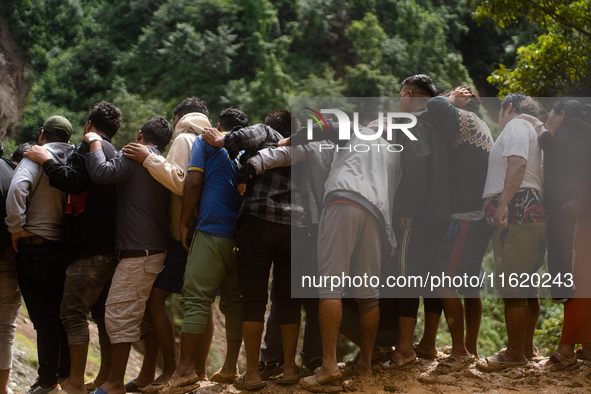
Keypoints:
pixel 220 201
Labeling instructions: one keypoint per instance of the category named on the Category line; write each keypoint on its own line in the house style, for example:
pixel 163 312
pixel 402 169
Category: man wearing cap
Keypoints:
pixel 35 212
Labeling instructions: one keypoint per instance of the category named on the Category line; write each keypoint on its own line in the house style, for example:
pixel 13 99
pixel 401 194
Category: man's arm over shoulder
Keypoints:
pixel 267 159
pixel 71 177
pixel 26 178
pixel 172 171
pixel 105 172
pixel 246 138
pixel 329 132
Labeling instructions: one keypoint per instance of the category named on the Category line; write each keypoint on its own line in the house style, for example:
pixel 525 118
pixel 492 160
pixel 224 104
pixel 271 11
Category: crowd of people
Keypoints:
pixel 93 231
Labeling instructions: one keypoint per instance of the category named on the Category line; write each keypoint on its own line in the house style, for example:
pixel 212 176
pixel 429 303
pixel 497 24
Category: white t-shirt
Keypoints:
pixel 518 138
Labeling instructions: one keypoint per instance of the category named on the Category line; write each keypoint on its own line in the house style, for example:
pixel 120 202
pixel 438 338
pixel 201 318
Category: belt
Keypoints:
pixel 33 240
pixel 126 254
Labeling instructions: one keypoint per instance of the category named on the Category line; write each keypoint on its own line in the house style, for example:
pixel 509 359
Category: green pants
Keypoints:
pixel 211 264
pixel 519 250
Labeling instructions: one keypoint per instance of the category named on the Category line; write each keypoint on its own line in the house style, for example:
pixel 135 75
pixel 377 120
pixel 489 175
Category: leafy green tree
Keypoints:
pixel 559 62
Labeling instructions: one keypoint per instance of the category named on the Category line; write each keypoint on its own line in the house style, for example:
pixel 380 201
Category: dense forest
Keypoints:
pixel 147 55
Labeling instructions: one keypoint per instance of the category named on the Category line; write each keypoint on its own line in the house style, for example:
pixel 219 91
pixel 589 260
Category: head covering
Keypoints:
pixel 193 122
pixel 58 126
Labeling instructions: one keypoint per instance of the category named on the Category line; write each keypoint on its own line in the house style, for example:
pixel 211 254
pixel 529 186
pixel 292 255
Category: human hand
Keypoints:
pixel 86 138
pixel 186 237
pixel 37 153
pixel 213 137
pixel 501 215
pixel 538 125
pixel 460 97
pixel 284 142
pixel 242 188
pixel 17 236
pixel 135 151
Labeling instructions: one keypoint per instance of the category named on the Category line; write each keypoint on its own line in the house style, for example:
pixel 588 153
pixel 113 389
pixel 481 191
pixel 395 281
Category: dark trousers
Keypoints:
pixel 41 280
pixel 261 243
pixel 312 346
pixel 561 234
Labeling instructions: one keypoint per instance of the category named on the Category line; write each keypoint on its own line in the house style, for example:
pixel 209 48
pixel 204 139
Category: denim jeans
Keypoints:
pixel 10 304
pixel 41 280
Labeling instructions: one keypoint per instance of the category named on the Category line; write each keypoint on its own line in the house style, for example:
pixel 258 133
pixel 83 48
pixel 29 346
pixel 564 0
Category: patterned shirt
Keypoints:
pixel 269 195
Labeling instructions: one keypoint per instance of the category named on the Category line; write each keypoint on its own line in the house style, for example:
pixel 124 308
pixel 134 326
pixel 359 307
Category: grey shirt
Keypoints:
pixel 32 204
pixel 142 202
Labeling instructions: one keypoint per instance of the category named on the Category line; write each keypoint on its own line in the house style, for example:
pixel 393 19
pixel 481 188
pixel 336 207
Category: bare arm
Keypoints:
pixel 513 179
pixel 192 194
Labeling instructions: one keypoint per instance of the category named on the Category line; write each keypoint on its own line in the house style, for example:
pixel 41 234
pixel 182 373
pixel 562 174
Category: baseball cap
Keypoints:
pixel 58 126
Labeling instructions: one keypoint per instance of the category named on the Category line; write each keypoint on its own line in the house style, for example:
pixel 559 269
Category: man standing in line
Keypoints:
pixel 35 212
pixel 141 238
pixel 263 237
pixel 211 188
pixel 190 117
pixel 88 243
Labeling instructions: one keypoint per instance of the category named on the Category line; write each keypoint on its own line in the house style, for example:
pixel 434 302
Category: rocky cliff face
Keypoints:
pixel 13 84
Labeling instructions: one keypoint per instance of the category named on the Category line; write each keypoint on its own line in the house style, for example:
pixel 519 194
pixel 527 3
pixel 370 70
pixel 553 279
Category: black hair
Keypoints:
pixel 474 103
pixel 573 109
pixel 232 117
pixel 190 105
pixel 17 155
pixel 1 149
pixel 105 117
pixel 283 121
pixel 157 131
pixel 422 82
pixel 522 104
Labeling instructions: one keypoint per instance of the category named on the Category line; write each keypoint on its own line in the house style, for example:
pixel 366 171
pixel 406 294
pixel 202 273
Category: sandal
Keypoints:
pixel 582 354
pixel 219 378
pixel 450 364
pixel 328 385
pixel 391 364
pixel 153 387
pixel 239 382
pixel 498 362
pixel 425 355
pixel 90 386
pixel 560 363
pixel 287 382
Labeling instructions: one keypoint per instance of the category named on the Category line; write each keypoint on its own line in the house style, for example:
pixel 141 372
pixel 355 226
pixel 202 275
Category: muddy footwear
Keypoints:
pixel 219 378
pixel 498 362
pixel 239 382
pixel 560 363
pixel 391 364
pixel 583 354
pixel 329 384
pixel 450 364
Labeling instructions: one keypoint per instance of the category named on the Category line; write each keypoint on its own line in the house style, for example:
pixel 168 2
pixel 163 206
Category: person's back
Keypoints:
pixel 34 217
pixel 142 232
pixel 220 200
pixel 44 204
pixel 142 217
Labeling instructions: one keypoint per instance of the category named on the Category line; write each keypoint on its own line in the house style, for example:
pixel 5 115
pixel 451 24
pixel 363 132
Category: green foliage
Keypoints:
pixel 251 54
pixel 559 61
